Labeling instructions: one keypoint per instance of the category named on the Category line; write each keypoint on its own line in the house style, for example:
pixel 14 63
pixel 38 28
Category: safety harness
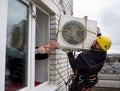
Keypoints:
pixel 81 82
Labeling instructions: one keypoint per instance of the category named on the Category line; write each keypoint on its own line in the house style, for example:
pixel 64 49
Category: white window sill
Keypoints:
pixel 48 88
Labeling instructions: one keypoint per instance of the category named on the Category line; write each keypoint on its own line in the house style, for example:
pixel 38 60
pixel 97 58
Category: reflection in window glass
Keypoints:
pixel 16 46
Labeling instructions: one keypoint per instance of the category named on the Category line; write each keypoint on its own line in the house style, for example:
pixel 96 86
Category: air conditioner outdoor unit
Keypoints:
pixel 76 33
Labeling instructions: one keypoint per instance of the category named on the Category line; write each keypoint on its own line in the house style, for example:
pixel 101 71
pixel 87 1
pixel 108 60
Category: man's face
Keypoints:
pixel 96 46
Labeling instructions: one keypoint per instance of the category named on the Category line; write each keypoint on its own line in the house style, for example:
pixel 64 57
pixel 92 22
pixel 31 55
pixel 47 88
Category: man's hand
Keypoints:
pixel 53 45
pixel 48 47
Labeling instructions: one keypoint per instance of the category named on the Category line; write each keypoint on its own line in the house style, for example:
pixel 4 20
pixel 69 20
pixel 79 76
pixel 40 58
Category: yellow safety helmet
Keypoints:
pixel 104 42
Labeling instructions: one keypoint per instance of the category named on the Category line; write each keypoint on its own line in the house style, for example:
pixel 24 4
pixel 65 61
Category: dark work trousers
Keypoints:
pixel 75 86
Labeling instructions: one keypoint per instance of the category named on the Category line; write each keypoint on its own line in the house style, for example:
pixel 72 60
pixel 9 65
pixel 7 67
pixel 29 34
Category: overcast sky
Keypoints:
pixel 107 15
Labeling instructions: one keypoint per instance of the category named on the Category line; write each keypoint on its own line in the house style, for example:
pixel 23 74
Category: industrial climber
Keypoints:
pixel 88 63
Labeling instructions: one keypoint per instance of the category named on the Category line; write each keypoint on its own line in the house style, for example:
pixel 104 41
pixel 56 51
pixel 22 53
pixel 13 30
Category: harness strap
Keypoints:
pixel 86 89
pixel 76 71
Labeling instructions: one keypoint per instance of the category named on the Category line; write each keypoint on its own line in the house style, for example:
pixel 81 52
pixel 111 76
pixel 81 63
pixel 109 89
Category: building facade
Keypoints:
pixel 26 24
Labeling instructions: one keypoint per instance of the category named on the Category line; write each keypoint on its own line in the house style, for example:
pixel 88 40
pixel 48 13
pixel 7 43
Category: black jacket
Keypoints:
pixel 41 56
pixel 87 62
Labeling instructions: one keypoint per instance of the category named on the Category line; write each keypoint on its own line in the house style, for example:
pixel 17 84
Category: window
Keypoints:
pixel 16 46
pixel 42 35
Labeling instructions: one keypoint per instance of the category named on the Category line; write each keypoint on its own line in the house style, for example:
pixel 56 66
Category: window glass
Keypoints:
pixel 16 46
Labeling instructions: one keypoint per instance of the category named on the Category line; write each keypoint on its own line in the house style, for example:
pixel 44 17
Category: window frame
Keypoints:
pixel 30 52
pixel 48 40
pixel 32 29
pixel 3 23
pixel 31 46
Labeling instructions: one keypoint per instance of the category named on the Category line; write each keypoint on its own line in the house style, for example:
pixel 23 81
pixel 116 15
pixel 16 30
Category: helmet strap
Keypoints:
pixel 93 48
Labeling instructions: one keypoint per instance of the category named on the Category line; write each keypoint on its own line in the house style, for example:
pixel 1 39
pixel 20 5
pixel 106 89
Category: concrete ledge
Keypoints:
pixel 108 83
pixel 109 77
pixel 105 89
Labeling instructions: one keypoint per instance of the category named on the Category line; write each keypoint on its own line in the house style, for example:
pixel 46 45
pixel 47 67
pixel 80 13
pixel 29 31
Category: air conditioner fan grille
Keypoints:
pixel 73 32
